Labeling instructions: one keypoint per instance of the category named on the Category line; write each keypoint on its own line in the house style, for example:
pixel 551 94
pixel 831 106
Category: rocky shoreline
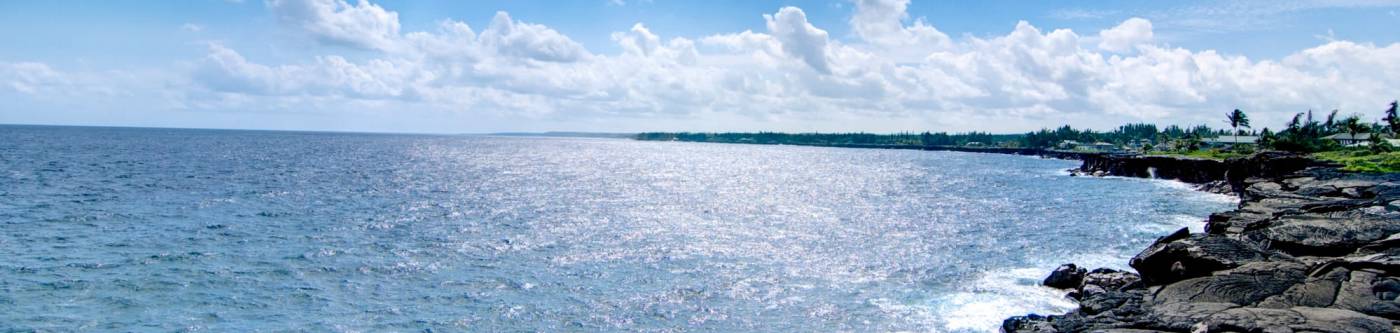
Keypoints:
pixel 1309 248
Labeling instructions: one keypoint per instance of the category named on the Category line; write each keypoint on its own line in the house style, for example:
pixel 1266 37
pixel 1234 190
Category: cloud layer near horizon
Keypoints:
pixel 895 73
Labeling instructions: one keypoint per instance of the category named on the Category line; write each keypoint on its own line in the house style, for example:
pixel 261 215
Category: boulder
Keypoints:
pixel 1309 249
pixel 1236 221
pixel 1110 279
pixel 1193 256
pixel 1066 276
pixel 1027 324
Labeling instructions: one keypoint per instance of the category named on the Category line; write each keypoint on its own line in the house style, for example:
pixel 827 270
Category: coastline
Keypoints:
pixel 1308 248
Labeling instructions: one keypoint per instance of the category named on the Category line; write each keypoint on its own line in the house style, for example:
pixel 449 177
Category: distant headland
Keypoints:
pixel 1356 144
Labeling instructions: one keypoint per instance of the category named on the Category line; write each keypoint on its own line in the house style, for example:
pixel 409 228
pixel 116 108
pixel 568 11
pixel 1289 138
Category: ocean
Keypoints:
pixel 130 229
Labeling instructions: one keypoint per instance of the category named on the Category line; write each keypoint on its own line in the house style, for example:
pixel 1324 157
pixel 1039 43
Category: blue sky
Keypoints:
pixel 868 65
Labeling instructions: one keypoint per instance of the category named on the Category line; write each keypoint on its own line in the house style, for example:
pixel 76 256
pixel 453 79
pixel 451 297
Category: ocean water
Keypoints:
pixel 108 229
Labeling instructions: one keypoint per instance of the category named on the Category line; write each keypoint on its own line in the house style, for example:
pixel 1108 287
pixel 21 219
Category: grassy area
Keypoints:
pixel 1213 154
pixel 1363 161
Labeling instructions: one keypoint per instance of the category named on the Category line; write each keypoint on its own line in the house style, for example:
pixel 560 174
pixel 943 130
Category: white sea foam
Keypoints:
pixel 1195 224
pixel 997 295
pixel 1194 193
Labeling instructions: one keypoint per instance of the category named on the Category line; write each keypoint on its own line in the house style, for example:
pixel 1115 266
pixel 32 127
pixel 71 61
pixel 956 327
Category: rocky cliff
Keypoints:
pixel 1309 249
pixel 1196 171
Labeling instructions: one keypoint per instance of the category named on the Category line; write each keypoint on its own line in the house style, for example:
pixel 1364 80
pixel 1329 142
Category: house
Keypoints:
pixel 974 144
pixel 1139 144
pixel 1067 144
pixel 1347 140
pixel 1101 147
pixel 1228 141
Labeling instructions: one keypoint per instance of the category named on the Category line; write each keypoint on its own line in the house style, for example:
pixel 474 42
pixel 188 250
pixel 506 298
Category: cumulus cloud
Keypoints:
pixel 533 41
pixel 895 74
pixel 799 38
pixel 1122 38
pixel 363 24
pixel 880 23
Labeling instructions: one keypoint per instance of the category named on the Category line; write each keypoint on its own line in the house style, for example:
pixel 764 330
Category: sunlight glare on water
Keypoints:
pixel 148 229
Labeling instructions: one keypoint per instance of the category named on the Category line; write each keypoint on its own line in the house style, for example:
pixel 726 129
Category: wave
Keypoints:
pixel 997 295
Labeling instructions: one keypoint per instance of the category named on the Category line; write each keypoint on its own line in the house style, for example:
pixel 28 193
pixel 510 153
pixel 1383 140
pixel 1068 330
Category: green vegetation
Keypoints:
pixel 1357 144
pixel 1214 154
pixel 1363 160
pixel 829 139
pixel 1045 138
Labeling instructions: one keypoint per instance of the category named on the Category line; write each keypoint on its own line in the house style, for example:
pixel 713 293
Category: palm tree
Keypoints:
pixel 1331 126
pixel 1392 121
pixel 1237 119
pixel 1353 126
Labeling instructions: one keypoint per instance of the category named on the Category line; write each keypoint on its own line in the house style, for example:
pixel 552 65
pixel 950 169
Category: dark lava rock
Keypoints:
pixel 1193 256
pixel 1265 165
pixel 1299 319
pixel 1237 221
pixel 1105 280
pixel 1028 324
pixel 1246 285
pixel 1324 235
pixel 1110 300
pixel 1318 290
pixel 1065 277
pixel 1309 249
pixel 1217 187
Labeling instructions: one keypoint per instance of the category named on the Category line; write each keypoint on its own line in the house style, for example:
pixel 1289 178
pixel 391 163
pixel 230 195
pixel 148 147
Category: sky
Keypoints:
pixel 660 65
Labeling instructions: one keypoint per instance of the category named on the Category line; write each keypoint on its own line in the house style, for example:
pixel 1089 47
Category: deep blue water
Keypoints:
pixel 113 229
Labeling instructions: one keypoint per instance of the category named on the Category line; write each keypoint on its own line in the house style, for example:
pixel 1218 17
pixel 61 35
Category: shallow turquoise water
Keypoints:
pixel 150 229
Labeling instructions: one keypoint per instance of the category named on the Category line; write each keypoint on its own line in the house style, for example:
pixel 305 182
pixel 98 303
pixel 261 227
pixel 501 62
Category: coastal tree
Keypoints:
pixel 1392 121
pixel 1303 134
pixel 1237 119
pixel 1353 126
pixel 1331 125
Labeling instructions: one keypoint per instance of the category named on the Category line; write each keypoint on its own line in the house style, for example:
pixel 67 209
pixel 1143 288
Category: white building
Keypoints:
pixel 1228 141
pixel 1347 140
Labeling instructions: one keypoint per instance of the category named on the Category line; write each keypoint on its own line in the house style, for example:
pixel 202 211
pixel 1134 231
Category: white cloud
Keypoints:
pixel 794 77
pixel 191 27
pixel 1127 35
pixel 880 23
pixel 799 38
pixel 532 41
pixel 893 75
pixel 363 25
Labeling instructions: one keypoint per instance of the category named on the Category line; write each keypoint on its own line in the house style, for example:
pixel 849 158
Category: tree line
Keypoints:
pixel 1303 133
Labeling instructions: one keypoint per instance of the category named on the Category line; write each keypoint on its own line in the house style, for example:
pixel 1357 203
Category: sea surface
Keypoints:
pixel 123 229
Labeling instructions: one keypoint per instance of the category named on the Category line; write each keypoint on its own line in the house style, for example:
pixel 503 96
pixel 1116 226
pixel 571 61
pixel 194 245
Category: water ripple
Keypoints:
pixel 143 229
